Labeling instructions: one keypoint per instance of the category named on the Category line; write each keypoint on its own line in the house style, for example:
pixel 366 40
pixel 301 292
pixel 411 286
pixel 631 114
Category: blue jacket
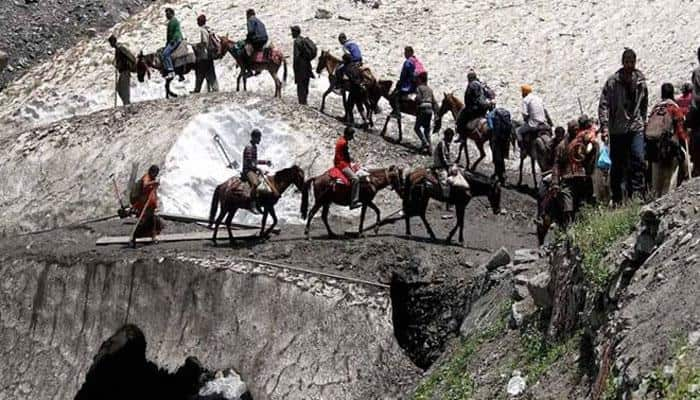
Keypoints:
pixel 406 79
pixel 256 30
pixel 353 49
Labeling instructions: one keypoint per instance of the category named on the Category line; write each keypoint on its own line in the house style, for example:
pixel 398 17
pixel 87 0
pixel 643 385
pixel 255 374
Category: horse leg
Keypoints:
pixel 386 123
pixel 217 223
pixel 520 169
pixel 313 212
pixel 274 222
pixel 398 121
pixel 466 153
pixel 459 153
pixel 278 84
pixel 324 217
pixel 238 80
pixel 362 218
pixel 264 221
pixel 379 219
pixel 425 222
pixel 532 167
pixel 482 154
pixel 460 208
pixel 228 226
pixel 323 98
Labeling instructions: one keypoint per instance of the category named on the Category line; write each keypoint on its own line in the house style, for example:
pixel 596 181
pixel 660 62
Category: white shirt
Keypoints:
pixel 533 111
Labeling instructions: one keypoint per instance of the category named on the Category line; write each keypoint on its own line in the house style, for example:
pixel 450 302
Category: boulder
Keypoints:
pixel 538 286
pixel 521 312
pixel 525 256
pixel 520 292
pixel 323 14
pixel 498 259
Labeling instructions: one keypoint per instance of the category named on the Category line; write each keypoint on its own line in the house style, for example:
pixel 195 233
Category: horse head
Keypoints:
pixel 322 61
pixel 142 67
pixel 293 175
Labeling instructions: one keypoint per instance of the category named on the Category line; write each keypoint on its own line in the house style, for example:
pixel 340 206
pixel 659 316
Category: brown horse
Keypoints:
pixel 270 64
pixel 234 194
pixel 153 60
pixel 364 97
pixel 476 130
pixel 405 107
pixel 538 148
pixel 421 185
pixel 327 192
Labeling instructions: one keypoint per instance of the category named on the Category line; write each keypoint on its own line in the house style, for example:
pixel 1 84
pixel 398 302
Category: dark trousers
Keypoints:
pixel 205 70
pixel 303 90
pixel 499 152
pixel 422 127
pixel 627 170
pixel 695 151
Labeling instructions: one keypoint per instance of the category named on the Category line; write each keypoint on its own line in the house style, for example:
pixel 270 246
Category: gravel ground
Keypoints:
pixel 31 33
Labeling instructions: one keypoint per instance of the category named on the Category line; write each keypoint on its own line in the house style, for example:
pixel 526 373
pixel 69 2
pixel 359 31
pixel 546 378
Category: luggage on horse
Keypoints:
pixel 182 55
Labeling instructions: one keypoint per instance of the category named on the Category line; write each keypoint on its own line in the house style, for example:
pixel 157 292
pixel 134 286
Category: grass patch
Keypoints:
pixel 538 355
pixel 595 231
pixel 453 380
pixel 683 381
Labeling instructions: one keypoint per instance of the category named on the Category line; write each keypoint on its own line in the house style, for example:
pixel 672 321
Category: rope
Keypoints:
pixel 313 272
pixel 70 226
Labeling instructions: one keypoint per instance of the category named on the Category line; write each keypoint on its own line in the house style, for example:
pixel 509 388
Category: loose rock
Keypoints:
pixel 498 259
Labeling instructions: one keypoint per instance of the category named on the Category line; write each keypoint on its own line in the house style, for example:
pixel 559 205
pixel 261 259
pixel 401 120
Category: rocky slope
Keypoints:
pixel 32 32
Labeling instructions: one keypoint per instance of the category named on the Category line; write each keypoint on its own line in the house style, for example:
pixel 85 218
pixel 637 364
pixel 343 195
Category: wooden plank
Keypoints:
pixel 175 237
pixel 199 220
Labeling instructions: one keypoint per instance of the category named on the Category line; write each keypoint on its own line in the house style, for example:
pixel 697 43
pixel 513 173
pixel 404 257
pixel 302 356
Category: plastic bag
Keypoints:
pixel 603 161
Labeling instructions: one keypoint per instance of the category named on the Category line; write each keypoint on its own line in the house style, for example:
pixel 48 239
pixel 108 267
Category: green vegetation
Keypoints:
pixel 452 380
pixel 683 383
pixel 595 231
pixel 538 355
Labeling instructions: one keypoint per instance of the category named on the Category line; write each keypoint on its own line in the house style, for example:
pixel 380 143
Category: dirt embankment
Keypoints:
pixel 31 32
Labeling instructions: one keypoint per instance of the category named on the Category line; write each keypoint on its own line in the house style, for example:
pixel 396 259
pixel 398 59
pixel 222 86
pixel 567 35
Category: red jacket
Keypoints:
pixel 342 154
pixel 684 101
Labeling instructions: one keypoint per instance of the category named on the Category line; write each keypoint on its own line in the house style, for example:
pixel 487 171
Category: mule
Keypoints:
pixel 233 195
pixel 420 186
pixel 327 191
pixel 270 64
pixel 476 130
pixel 405 107
pixel 538 148
pixel 144 62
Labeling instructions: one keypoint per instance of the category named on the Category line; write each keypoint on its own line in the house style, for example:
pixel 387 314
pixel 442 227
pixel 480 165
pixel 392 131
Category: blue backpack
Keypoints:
pixel 499 122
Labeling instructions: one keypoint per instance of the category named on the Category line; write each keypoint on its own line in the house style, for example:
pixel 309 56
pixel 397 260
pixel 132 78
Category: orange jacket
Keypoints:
pixel 342 154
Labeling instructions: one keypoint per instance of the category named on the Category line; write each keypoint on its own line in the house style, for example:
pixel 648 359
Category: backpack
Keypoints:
pixel 500 122
pixel 214 45
pixel 660 122
pixel 308 47
pixel 418 67
pixel 488 92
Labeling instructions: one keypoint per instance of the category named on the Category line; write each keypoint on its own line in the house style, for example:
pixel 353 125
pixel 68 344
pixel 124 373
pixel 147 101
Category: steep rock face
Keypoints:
pixel 290 336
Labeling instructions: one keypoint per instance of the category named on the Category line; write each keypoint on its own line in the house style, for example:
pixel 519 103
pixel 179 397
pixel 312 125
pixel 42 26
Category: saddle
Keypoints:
pixel 268 54
pixel 182 55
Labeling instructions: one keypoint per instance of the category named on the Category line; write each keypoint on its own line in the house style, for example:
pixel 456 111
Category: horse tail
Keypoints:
pixel 284 73
pixel 214 206
pixel 305 198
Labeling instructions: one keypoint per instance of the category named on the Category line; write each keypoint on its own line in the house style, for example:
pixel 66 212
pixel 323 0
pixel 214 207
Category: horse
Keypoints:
pixel 364 96
pixel 476 130
pixel 538 149
pixel 405 107
pixel 270 64
pixel 154 60
pixel 233 195
pixel 327 192
pixel 420 186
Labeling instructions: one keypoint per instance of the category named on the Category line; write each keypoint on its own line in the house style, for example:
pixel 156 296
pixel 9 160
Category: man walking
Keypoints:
pixel 622 113
pixel 124 62
pixel 304 52
pixel 205 59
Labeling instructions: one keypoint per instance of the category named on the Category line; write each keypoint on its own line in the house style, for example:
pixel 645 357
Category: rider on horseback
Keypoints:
pixel 173 39
pixel 352 57
pixel 255 40
pixel 342 161
pixel 251 173
pixel 535 116
pixel 442 161
pixel 476 102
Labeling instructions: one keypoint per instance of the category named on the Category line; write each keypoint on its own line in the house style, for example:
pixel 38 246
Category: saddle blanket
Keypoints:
pixel 275 55
pixel 183 54
pixel 339 177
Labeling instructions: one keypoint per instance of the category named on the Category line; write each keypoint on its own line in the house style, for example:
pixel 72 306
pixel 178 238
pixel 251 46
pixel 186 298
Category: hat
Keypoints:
pixel 295 29
pixel 526 89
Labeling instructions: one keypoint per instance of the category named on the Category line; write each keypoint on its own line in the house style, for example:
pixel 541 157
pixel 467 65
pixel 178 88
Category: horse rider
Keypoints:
pixel 352 56
pixel 205 60
pixel 426 107
pixel 667 143
pixel 343 162
pixel 255 40
pixel 406 86
pixel 535 116
pixel 251 173
pixel 622 112
pixel 172 41
pixel 476 103
pixel 124 62
pixel 144 202
pixel 442 161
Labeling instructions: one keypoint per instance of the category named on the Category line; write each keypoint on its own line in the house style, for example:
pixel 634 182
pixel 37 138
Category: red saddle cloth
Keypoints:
pixel 275 56
pixel 339 177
